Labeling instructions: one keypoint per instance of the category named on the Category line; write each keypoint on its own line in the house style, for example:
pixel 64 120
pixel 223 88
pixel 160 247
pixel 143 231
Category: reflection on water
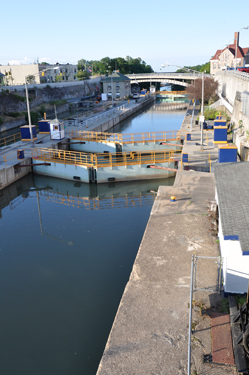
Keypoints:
pixel 63 269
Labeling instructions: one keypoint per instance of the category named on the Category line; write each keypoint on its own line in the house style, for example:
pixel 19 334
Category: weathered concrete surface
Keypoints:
pixel 149 334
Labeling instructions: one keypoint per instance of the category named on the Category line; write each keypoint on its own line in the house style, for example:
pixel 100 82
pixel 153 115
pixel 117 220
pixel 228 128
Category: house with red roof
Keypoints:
pixel 230 57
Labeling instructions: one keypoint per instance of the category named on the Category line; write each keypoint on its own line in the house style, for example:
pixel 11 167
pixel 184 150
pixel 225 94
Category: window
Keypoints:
pixel 109 87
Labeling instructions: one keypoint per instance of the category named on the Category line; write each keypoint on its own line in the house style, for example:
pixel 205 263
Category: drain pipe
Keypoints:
pixel 190 317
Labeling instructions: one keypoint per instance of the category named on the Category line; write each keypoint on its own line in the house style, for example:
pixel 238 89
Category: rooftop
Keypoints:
pixel 116 77
pixel 232 185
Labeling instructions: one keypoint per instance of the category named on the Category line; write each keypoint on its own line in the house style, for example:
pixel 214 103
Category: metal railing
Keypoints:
pixel 123 138
pixel 171 92
pixel 103 160
pixel 10 139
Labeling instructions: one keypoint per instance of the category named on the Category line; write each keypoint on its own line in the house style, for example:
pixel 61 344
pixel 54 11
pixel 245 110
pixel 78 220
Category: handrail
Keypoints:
pixel 102 160
pixel 124 137
pixel 10 139
pixel 15 155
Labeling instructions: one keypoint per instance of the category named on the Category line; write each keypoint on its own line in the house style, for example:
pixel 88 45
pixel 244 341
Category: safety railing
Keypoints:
pixel 103 160
pixel 62 156
pixel 10 139
pixel 123 138
pixel 9 156
pixel 171 92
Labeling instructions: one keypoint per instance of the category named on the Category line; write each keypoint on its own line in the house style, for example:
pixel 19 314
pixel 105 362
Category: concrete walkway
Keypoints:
pixel 150 331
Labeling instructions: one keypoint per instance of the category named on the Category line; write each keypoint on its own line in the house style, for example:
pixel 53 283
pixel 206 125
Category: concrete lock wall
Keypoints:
pixel 64 171
pixel 133 172
pixel 146 146
pixel 96 147
pixel 10 174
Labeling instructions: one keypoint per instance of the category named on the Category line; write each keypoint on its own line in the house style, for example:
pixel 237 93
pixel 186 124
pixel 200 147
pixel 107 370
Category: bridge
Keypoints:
pixel 172 78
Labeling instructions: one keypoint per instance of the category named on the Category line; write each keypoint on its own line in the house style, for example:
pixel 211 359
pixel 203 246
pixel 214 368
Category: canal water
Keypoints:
pixel 66 253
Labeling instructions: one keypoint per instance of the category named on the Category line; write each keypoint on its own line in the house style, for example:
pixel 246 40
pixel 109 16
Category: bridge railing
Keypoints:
pixel 162 136
pixel 103 160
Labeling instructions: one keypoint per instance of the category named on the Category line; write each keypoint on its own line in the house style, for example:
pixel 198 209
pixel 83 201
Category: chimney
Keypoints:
pixel 236 38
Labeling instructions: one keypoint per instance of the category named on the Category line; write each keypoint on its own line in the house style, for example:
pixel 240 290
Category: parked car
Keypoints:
pixel 244 69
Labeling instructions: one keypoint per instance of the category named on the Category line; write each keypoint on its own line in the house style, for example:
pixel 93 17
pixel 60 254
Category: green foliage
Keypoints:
pixel 58 102
pixel 199 68
pixel 211 113
pixel 58 78
pixel 224 307
pixel 107 65
pixel 82 74
pixel 13 114
pixel 240 299
pixel 41 110
pixel 34 116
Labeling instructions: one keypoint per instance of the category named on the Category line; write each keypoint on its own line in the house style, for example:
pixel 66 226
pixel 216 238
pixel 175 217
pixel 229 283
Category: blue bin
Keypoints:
pixel 185 158
pixel 227 154
pixel 220 134
pixel 20 154
pixel 25 133
pixel 188 137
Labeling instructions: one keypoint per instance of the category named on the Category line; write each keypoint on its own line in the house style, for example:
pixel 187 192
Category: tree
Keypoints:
pixel 195 90
pixel 58 78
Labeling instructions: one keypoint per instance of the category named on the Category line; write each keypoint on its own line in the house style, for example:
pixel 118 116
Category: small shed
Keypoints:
pixel 232 186
pixel 57 130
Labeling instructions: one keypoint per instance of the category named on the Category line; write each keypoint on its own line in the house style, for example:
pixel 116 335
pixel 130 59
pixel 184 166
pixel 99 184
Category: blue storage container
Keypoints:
pixel 220 134
pixel 219 122
pixel 44 127
pixel 20 154
pixel 25 133
pixel 227 154
pixel 185 158
pixel 189 137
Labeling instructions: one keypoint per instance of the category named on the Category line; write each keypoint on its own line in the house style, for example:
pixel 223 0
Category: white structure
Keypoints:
pixel 64 73
pixel 231 56
pixel 57 130
pixel 232 186
pixel 15 74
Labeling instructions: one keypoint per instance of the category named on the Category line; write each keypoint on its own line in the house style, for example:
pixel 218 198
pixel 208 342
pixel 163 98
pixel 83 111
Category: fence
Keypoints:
pixel 103 160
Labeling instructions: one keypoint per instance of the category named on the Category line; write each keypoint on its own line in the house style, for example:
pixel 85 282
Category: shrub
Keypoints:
pixel 34 116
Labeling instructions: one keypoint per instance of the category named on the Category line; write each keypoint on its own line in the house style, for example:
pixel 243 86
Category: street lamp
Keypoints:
pixel 236 47
pixel 202 97
pixel 27 97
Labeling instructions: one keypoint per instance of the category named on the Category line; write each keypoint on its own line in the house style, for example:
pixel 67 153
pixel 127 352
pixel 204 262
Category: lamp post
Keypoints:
pixel 202 98
pixel 27 97
pixel 236 47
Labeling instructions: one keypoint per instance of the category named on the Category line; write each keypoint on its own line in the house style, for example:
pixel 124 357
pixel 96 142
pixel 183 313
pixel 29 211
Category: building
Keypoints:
pixel 65 72
pixel 15 74
pixel 226 58
pixel 232 186
pixel 116 85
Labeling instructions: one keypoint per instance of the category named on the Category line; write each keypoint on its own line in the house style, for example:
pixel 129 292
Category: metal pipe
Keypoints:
pixel 190 317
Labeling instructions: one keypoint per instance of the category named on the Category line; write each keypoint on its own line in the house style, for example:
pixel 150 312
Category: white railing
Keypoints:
pixel 80 121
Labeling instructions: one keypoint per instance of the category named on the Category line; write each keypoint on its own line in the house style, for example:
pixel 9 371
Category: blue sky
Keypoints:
pixel 173 32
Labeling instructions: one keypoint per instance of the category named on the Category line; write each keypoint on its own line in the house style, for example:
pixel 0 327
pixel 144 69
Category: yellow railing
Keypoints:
pixel 13 155
pixel 163 136
pixel 103 160
pixel 171 92
pixel 10 139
